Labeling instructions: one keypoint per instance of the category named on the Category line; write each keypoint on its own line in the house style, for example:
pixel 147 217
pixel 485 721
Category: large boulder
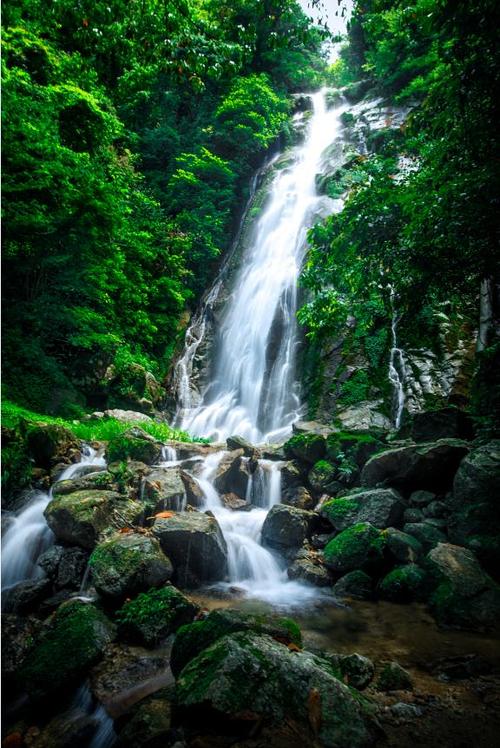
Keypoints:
pixel 163 488
pixel 465 596
pixel 126 564
pixel 364 416
pixel 286 527
pixel 249 450
pixel 195 637
pixel 478 477
pixel 51 444
pixel 152 616
pixel 194 543
pixel 233 474
pixel 405 548
pixel 323 477
pixel 421 466
pixel 444 423
pixel 427 534
pixel 123 670
pixel 307 447
pixel 380 507
pixel 246 677
pixel 293 491
pixel 403 584
pixel 134 444
pixel 308 567
pixel 355 584
pixel 64 654
pixel 79 518
pixel 359 547
pixel 98 480
pixel 149 723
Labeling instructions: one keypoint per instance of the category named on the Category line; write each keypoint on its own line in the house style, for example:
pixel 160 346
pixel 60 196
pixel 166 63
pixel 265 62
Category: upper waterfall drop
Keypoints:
pixel 254 391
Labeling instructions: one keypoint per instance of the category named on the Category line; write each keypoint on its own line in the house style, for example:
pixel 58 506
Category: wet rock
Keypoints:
pixel 465 597
pixel 312 427
pixel 193 639
pixel 307 447
pixel 445 423
pixel 358 671
pixel 323 477
pixel 404 548
pixel 283 684
pixel 421 466
pixel 18 638
pixel 98 479
pixel 233 474
pixel 420 499
pixel 25 597
pixel 194 543
pixel 393 677
pixel 194 494
pixel 134 444
pixel 163 488
pixel 63 655
pixel 380 507
pixel 232 501
pixel 355 584
pixel 150 724
pixel 249 450
pixel 153 616
pixel 126 564
pixel 427 535
pixel 80 517
pixel 403 584
pixel 50 444
pixel 122 671
pixel 355 446
pixel 65 567
pixel 359 547
pixel 310 569
pixel 302 103
pixel 72 729
pixel 50 604
pixel 286 527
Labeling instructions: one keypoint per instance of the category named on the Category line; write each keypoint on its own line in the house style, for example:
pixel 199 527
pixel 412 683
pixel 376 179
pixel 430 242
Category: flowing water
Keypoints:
pixel 254 389
pixel 28 535
pixel 396 365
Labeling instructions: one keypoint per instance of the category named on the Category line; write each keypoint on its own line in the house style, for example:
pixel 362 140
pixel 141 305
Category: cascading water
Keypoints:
pixel 254 390
pixel 396 365
pixel 28 535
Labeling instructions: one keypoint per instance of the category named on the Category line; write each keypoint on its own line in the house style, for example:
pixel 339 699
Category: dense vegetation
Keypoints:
pixel 129 133
pixel 426 227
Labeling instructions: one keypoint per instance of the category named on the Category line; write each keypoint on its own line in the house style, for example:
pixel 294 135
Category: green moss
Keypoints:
pixel 78 637
pixel 152 616
pixel 403 584
pixel 307 447
pixel 339 509
pixel 357 547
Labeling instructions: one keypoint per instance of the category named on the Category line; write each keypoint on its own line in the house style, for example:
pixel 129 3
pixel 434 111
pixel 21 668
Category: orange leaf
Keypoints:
pixel 164 515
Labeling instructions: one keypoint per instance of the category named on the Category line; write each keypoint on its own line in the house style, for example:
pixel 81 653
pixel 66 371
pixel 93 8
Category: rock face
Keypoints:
pixel 163 489
pixel 286 527
pixel 65 567
pixel 66 652
pixel 365 416
pixel 293 491
pixel 127 564
pixel 431 465
pixel 78 518
pixel 465 596
pixel 247 676
pixel 194 543
pixel 359 547
pixel 478 477
pixel 154 615
pixel 381 507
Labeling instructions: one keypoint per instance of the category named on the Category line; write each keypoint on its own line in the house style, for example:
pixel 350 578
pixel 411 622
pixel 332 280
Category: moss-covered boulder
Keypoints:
pixel 356 446
pixel 286 527
pixel 98 480
pixel 247 678
pixel 195 637
pixel 357 670
pixel 393 677
pixel 420 466
pixel 354 584
pixel 403 584
pixel 323 477
pixel 62 657
pixel 153 616
pixel 465 595
pixel 134 444
pixel 359 547
pixel 478 477
pixel 193 541
pixel 427 534
pixel 79 518
pixel 50 444
pixel 404 548
pixel 380 507
pixel 306 447
pixel 149 723
pixel 126 564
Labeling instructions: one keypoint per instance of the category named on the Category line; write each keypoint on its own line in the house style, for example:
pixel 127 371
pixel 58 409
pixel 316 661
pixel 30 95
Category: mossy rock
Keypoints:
pixel 153 616
pixel 79 518
pixel 49 444
pixel 127 564
pixel 246 678
pixel 380 507
pixel 404 548
pixel 323 477
pixel 134 445
pixel 355 584
pixel 195 637
pixel 394 678
pixel 62 657
pixel 306 447
pixel 403 584
pixel 149 723
pixel 359 547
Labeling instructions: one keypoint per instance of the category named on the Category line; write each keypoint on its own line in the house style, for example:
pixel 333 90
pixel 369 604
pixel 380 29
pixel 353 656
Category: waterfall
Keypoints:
pixel 254 390
pixel 396 365
pixel 28 535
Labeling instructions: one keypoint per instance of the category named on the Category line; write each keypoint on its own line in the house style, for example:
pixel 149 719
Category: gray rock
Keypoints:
pixel 427 535
pixel 355 584
pixel 357 670
pixel 127 416
pixel 404 548
pixel 436 510
pixel 194 543
pixel 286 527
pixel 310 570
pixel 99 480
pixel 194 494
pixel 478 477
pixel 164 489
pixel 393 677
pixel 364 416
pixel 381 507
pixel 126 564
pixel 445 423
pixel 413 515
pixel 421 498
pixel 233 474
pixel 249 450
pixel 25 597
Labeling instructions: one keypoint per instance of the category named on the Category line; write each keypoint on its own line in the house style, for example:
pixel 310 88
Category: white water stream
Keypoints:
pixel 396 365
pixel 28 535
pixel 254 389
